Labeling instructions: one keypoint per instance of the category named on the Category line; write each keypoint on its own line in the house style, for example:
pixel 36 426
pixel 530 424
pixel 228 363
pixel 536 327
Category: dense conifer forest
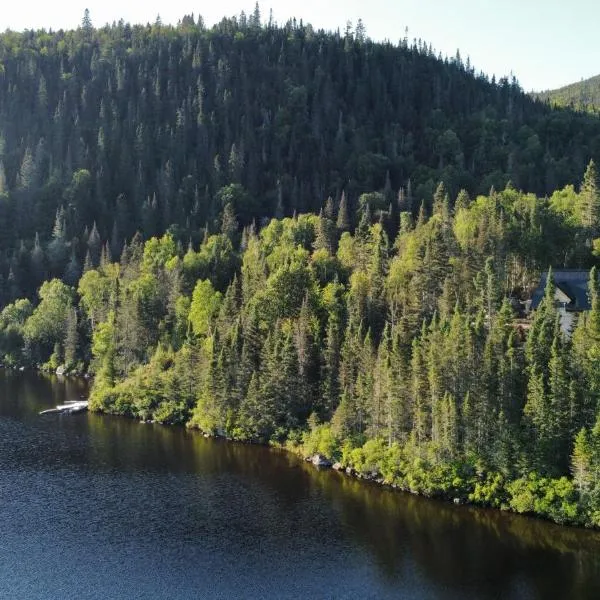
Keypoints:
pixel 281 235
pixel 583 95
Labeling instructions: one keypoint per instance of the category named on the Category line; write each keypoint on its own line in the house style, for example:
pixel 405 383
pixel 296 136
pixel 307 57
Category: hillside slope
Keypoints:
pixel 583 95
pixel 105 132
pixel 376 331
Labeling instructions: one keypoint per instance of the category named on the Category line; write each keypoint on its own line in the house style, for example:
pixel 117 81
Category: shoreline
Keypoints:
pixel 325 463
pixel 351 474
pixel 321 462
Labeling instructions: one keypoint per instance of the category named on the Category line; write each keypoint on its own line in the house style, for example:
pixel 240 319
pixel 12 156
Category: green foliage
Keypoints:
pixel 46 325
pixel 555 499
pixel 368 458
pixel 320 440
pixel 490 492
pixel 401 336
pixel 95 289
pixel 249 140
pixel 16 313
pixel 409 356
pixel 12 321
pixel 583 95
pixel 204 307
pixel 158 252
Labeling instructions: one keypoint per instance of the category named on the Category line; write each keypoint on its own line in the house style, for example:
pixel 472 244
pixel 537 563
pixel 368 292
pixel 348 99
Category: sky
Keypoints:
pixel 544 43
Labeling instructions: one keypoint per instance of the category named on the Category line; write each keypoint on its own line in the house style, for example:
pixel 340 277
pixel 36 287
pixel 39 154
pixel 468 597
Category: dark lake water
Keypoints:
pixel 101 507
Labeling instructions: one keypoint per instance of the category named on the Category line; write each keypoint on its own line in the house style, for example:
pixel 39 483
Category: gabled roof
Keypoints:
pixel 572 282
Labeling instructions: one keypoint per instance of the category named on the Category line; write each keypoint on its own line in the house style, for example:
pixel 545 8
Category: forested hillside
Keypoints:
pixel 285 236
pixel 584 95
pixel 399 355
pixel 105 132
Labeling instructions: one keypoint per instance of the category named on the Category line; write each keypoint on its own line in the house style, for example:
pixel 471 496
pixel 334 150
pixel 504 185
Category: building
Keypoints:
pixel 570 297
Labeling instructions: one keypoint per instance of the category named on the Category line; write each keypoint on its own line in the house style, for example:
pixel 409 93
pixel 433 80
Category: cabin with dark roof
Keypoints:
pixel 570 297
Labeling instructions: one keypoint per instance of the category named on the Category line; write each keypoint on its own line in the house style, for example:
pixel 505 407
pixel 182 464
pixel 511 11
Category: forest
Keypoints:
pixel 128 128
pixel 280 235
pixel 583 95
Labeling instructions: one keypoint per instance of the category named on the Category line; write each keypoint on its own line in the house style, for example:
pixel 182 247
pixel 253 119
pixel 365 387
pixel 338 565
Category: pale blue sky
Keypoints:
pixel 545 43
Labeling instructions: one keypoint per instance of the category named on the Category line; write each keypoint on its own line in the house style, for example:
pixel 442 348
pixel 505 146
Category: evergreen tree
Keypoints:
pixel 71 341
pixel 343 218
pixel 27 173
pixel 86 22
pixel 397 336
pixel 38 267
pixel 94 245
pixel 58 249
pixel 3 183
pixel 581 461
pixel 229 224
pixel 590 200
pixel 330 389
pixel 72 271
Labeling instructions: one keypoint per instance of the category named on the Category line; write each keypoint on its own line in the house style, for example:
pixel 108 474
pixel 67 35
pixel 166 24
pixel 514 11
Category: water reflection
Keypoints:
pixel 266 523
pixel 457 546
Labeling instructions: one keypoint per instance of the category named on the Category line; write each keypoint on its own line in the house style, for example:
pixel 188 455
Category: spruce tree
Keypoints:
pixel 590 200
pixel 581 462
pixel 229 223
pixel 57 249
pixel 330 388
pixel 3 184
pixel 71 341
pixel 343 217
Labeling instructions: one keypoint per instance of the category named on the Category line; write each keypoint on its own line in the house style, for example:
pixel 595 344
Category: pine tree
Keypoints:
pixel 116 243
pixel 290 393
pixel 27 173
pixel 364 225
pixel 559 425
pixel 72 271
pixel 410 200
pixel 254 423
pixel 445 428
pixel 38 267
pixel 3 184
pixel 590 200
pixel 86 22
pixel 322 240
pixel 71 341
pixel 94 246
pixel 421 417
pixel 255 21
pixel 586 356
pixel 462 201
pixel 87 263
pixel 541 335
pixel 329 209
pixel 343 218
pixel 229 311
pixel 581 462
pixel 208 412
pixel 330 388
pixel 105 256
pixel 57 249
pixel 236 164
pixel 381 425
pixel 439 199
pixel 305 357
pixel 493 292
pixel 537 415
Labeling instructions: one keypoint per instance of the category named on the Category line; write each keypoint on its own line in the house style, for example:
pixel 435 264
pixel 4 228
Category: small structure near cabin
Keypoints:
pixel 570 297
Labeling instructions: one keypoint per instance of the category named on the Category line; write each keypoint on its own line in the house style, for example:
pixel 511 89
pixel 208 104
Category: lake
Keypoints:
pixel 102 507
